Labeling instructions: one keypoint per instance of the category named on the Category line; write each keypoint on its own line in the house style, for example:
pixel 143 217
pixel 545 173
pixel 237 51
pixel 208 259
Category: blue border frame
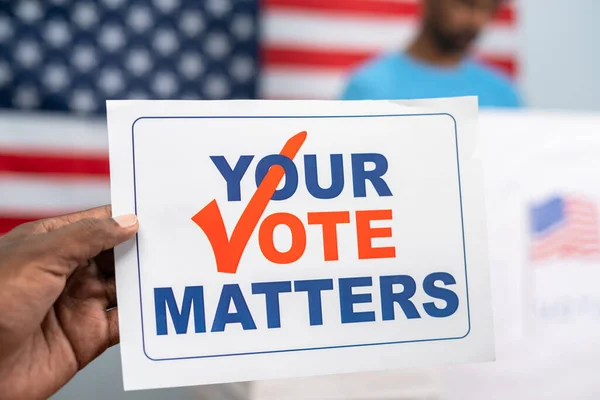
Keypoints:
pixel 308 348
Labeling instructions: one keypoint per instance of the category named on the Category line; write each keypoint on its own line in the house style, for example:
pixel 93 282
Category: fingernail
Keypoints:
pixel 126 221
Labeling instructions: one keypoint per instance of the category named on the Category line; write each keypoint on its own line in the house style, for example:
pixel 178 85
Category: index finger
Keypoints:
pixel 50 224
pixel 75 244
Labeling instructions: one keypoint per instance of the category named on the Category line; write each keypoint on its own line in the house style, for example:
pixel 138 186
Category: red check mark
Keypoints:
pixel 228 251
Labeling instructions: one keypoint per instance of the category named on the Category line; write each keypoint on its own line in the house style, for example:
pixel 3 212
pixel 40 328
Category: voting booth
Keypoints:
pixel 542 195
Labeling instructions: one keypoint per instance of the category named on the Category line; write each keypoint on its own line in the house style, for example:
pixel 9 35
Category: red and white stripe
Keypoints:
pixel 578 236
pixel 50 165
pixel 308 46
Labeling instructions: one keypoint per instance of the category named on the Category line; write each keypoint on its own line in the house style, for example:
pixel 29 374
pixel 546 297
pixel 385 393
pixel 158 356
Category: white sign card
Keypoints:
pixel 296 238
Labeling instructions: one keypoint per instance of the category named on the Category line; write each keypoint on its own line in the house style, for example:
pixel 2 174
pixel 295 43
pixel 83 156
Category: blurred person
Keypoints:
pixel 437 63
pixel 57 299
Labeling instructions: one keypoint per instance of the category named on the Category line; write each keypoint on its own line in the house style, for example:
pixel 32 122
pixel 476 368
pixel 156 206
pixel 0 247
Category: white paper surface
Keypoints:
pixel 162 170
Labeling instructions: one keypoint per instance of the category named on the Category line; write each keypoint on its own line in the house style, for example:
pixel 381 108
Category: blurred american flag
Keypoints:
pixel 564 227
pixel 72 55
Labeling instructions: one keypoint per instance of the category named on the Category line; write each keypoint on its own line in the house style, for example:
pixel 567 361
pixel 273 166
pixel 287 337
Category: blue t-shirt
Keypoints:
pixel 399 77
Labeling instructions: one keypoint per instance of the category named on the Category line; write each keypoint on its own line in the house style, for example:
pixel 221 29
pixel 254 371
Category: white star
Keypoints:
pixel 139 18
pixel 29 11
pixel 164 84
pixel 111 81
pixel 5 74
pixel 56 77
pixel 82 100
pixel 165 42
pixel 242 27
pixel 166 6
pixel 85 15
pixel 217 45
pixel 57 33
pixel 28 53
pixel 218 8
pixel 138 62
pixel 192 23
pixel 26 96
pixel 84 58
pixel 242 68
pixel 6 29
pixel 190 65
pixel 216 87
pixel 112 37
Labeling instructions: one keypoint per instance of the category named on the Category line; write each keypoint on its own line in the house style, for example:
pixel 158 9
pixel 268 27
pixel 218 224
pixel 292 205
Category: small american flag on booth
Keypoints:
pixel 564 227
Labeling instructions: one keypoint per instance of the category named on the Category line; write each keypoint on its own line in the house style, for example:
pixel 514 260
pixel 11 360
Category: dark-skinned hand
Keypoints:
pixel 57 299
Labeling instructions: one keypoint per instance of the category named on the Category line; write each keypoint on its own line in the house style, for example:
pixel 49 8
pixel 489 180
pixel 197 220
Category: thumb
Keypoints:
pixel 76 243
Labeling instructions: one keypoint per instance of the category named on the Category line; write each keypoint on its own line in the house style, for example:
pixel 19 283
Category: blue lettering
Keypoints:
pixel 348 299
pixel 271 291
pixel 291 175
pixel 313 290
pixel 223 316
pixel 388 297
pixel 193 295
pixel 312 178
pixel 234 176
pixel 360 176
pixel 436 292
